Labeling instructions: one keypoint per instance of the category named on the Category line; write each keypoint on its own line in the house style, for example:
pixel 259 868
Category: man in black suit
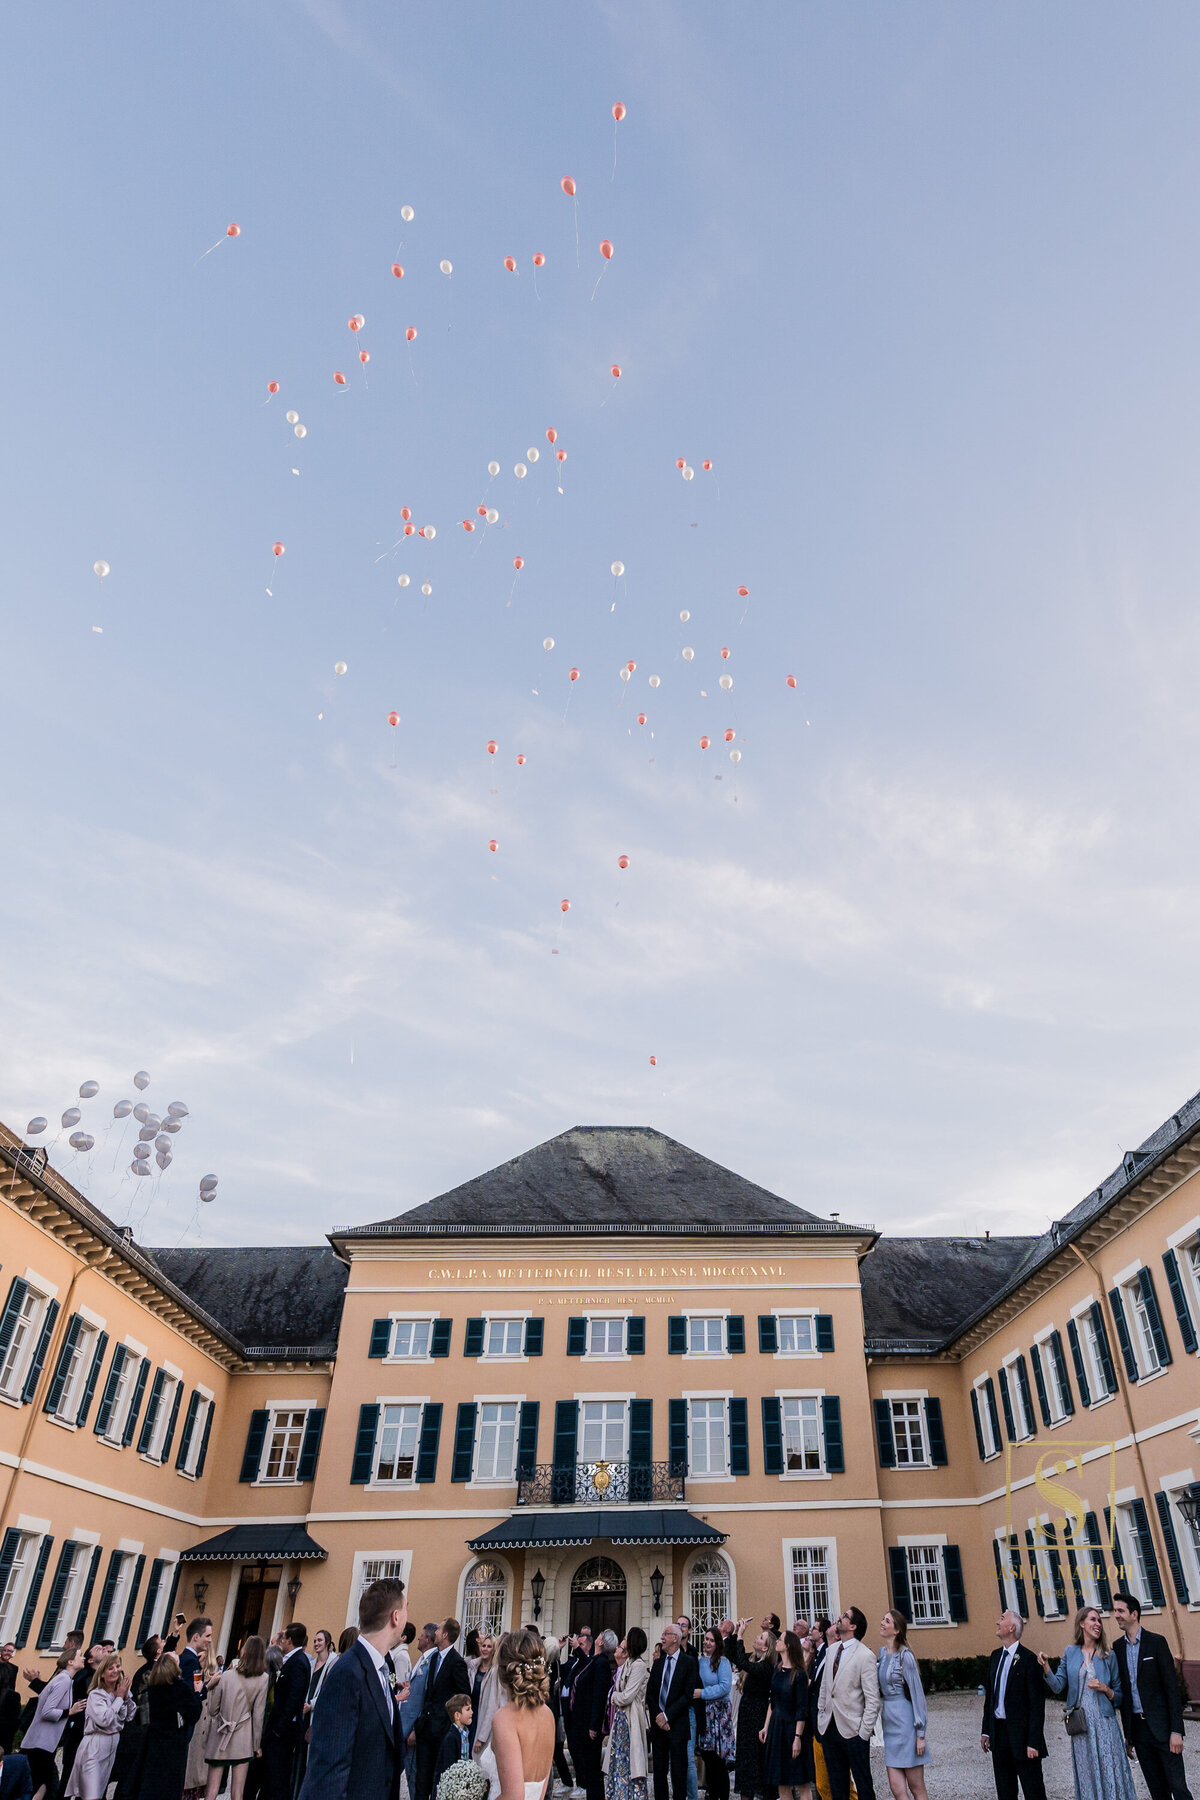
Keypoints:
pixel 592 1688
pixel 284 1725
pixel 1014 1714
pixel 1151 1702
pixel 357 1750
pixel 446 1676
pixel 673 1681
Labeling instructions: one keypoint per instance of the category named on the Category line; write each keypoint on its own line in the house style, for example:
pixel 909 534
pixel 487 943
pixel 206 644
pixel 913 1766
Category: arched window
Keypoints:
pixel 483 1599
pixel 599 1575
pixel 708 1592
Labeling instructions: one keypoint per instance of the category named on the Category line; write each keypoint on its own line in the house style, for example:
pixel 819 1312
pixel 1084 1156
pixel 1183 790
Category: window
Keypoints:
pixel 191 1450
pixel 602 1431
pixel 283 1445
pixel 1144 1346
pixel 1041 1552
pixel 810 1581
pixel 376 1568
pixel 399 1433
pixel 709 1593
pixel 606 1337
pixel 1020 1397
pixel 122 1396
pixel 926 1584
pixel 796 1333
pixel 505 1337
pixel 75 1375
pixel 1142 1580
pixel 20 1570
pixel 119 1598
pixel 21 1345
pixel 1085 1569
pixel 484 1594
pixel 1090 1338
pixel 802 1437
pixel 72 1594
pixel 162 1418
pixel 709 1448
pixel 908 1433
pixel 706 1337
pixel 987 1422
pixel 496 1442
pixel 1191 1258
pixel 411 1339
pixel 1008 1575
pixel 1058 1398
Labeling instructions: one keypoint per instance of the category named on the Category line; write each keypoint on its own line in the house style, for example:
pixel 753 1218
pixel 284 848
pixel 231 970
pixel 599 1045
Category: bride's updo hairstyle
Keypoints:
pixel 521 1660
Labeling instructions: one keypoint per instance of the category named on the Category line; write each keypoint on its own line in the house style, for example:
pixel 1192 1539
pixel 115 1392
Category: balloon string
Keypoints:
pixel 209 251
pixel 577 261
pixel 599 279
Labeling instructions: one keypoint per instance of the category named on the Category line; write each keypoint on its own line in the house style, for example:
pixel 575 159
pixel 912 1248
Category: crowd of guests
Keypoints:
pixel 393 1709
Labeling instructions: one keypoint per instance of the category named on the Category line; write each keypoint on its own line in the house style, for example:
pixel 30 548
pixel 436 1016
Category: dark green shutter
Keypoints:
pixel 1014 1551
pixel 1000 1574
pixel 310 1444
pixel 677 1436
pixel 134 1585
pixel 152 1406
pixel 35 1588
pixel 464 1442
pixel 831 1416
pixel 1039 1381
pixel 772 1427
pixel 676 1336
pixel 34 1374
pixel 1179 1299
pixel 635 1336
pixel 1060 1370
pixel 363 1466
pixel 978 1425
pixel 1056 1574
pixel 1174 1560
pixel 8 1318
pixel 381 1337
pixel 439 1337
pixel 1037 1578
pixel 1026 1397
pixel 1010 1424
pixel 58 1590
pixel 1103 1348
pixel 824 1331
pixel 641 1448
pixel 576 1337
pixel 1081 1380
pixel 884 1437
pixel 8 1554
pixel 956 1592
pixel 1162 1349
pixel 146 1625
pixel 566 1433
pixel 62 1366
pixel 208 1420
pixel 135 1401
pixel 85 1599
pixel 535 1332
pixel 111 1577
pixel 1120 1568
pixel 85 1405
pixel 938 1455
pixel 735 1334
pixel 169 1609
pixel 527 1438
pixel 898 1564
pixel 768 1333
pixel 431 1428
pixel 989 1390
pixel 1073 1562
pixel 739 1438
pixel 255 1438
pixel 1123 1339
pixel 473 1337
pixel 108 1398
pixel 189 1426
pixel 169 1434
pixel 1145 1537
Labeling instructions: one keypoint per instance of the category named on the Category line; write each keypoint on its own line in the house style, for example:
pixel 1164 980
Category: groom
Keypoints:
pixel 357 1751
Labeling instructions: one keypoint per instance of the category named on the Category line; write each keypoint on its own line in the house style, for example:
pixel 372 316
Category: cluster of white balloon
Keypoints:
pixel 155 1135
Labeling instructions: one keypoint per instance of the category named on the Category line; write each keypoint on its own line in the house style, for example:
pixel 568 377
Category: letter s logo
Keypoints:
pixel 1057 1495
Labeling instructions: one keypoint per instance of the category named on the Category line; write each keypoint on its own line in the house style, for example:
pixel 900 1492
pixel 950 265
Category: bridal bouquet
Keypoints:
pixel 463 1781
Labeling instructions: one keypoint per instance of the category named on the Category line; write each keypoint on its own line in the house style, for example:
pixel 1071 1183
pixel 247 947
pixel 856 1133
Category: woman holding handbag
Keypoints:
pixel 904 1710
pixel 1090 1681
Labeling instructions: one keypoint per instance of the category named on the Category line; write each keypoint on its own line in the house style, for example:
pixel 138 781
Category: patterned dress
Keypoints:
pixel 619 1783
pixel 1098 1755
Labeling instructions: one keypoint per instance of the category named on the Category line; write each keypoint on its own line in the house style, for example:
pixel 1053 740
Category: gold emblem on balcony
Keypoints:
pixel 601 1479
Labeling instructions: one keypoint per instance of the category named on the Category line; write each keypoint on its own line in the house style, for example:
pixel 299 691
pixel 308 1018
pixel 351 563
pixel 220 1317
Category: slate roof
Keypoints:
pixel 278 1297
pixel 597 1178
pixel 921 1289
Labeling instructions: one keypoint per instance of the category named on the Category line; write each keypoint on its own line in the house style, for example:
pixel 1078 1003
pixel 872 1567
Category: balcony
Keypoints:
pixel 601 1484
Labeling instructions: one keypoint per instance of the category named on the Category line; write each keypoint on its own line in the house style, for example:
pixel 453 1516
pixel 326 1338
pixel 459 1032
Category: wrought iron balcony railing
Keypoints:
pixel 600 1484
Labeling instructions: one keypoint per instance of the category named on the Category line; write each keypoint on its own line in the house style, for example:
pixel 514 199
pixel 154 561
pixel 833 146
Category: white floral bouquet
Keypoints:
pixel 463 1780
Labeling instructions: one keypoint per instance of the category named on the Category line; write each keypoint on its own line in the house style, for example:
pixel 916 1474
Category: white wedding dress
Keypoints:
pixel 487 1762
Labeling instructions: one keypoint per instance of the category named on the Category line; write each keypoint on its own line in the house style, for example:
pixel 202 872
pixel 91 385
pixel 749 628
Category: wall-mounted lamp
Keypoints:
pixel 200 1588
pixel 293 1588
pixel 656 1587
pixel 537 1587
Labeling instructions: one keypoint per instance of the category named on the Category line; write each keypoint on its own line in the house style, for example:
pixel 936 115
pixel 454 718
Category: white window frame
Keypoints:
pixel 621 1320
pixel 466 1612
pixel 81 1562
pixel 708 1400
pixel 1185 1537
pixel 895 1397
pixel 1186 1244
pixel 816 1396
pixel 409 1317
pixel 20 1352
pixel 478 1479
pixel 135 1356
pixel 1012 1598
pixel 402 1559
pixel 1131 1544
pixel 925 1561
pixel 120 1593
pixel 277 1412
pixel 1041 1554
pixel 1055 1398
pixel 199 1425
pixel 696 1612
pixel 1138 1325
pixel 387 1483
pixel 12 1601
pixel 506 1319
pixel 1085 1557
pixel 828 1545
pixel 71 1398
pixel 706 1313
pixel 1026 1425
pixel 166 1402
pixel 780 1313
pixel 990 1446
pixel 1088 1344
pixel 622 1400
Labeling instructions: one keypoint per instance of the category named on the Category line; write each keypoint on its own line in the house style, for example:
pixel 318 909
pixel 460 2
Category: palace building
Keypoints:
pixel 605 1383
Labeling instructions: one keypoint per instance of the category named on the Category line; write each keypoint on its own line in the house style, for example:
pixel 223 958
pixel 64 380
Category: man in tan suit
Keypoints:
pixel 847 1708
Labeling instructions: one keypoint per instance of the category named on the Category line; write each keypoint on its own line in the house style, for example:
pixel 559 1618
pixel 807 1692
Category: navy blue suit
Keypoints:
pixel 355 1751
pixel 16 1781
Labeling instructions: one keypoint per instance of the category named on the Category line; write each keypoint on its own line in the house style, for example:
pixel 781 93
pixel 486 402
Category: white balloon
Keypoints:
pixel 402 580
pixel 163 1159
pixel 688 654
pixel 727 682
pixel 162 1141
pixel 81 1140
pixel 172 1125
pixel 100 569
pixel 427 587
pixel 492 516
pixel 520 471
pixel 654 681
pixel 446 266
pixel 493 468
pixel 547 643
pixel 293 418
pixel 88 1090
pixel 618 569
pixel 153 1121
pixel 430 531
pixel 122 1109
pixel 208 1181
pixel 72 1116
pixel 684 616
pixel 141 1081
pixel 140 1152
pixel 625 673
pixel 688 474
pixel 340 668
pixel 141 1112
pixel 533 453
pixel 209 1196
pixel 177 1110
pixel 141 1168
pixel 406 213
pixel 359 320
pixel 147 1134
pixel 36 1127
pixel 735 756
pixel 301 431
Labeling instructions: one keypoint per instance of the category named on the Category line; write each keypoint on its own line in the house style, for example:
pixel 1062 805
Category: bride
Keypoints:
pixel 520 1756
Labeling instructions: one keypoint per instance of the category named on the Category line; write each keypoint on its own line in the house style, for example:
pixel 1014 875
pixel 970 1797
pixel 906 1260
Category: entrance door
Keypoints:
pixel 598 1597
pixel 254 1607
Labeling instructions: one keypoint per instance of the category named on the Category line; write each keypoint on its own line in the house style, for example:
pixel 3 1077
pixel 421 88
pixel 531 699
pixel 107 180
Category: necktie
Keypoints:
pixel 837 1659
pixel 666 1686
pixel 1000 1668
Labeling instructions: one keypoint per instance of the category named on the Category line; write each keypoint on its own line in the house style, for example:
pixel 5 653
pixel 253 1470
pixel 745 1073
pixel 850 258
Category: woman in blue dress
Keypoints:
pixel 788 1757
pixel 905 1714
pixel 1088 1677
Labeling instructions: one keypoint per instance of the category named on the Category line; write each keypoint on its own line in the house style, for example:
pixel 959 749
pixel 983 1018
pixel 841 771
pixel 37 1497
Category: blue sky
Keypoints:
pixel 920 281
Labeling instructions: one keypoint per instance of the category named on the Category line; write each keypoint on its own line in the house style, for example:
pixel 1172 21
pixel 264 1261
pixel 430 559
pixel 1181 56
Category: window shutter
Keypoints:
pixel 999 1574
pixel 831 1414
pixel 8 1554
pixel 310 1444
pixel 535 1332
pixel 39 1356
pixel 635 1336
pixel 363 1466
pixel 576 1337
pixel 58 1381
pixel 1119 1567
pixel 739 1438
pixel 768 1333
pixel 145 1624
pixel 58 1589
pixel 1026 1396
pixel 1104 1349
pixel 104 1412
pixel 772 1427
pixel 169 1433
pixel 884 1437
pixel 169 1608
pixel 1174 1560
pixel 1081 1380
pixel 1179 1299
pixel 1039 1379
pixel 824 1331
pixel 978 1424
pixel 1014 1550
pixel 134 1585
pixel 255 1438
pixel 989 1390
pixel 381 1337
pixel 86 1597
pixel 464 1442
pixel 1037 1579
pixel 937 1434
pixel 18 1289
pixel 208 1420
pixel 152 1406
pixel 898 1563
pixel 473 1337
pixel 676 1336
pixel 527 1438
pixel 956 1592
pixel 135 1403
pixel 1073 1561
pixel 1150 1300
pixel 439 1337
pixel 1118 1311
pixel 85 1405
pixel 106 1594
pixel 1056 1574
pixel 1060 1369
pixel 566 1431
pixel 1145 1538
pixel 189 1426
pixel 641 1444
pixel 735 1334
pixel 35 1588
pixel 1010 1424
pixel 677 1435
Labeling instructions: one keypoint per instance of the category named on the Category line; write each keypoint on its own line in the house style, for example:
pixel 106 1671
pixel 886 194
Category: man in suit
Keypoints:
pixel 1014 1714
pixel 284 1727
pixel 16 1778
pixel 592 1688
pixel 673 1681
pixel 355 1752
pixel 446 1676
pixel 1151 1702
pixel 848 1707
pixel 411 1710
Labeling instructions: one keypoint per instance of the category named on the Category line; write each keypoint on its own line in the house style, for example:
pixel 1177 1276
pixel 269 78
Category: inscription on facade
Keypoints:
pixel 511 1274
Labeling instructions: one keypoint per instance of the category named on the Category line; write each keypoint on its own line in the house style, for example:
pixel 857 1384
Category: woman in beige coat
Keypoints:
pixel 625 1762
pixel 233 1720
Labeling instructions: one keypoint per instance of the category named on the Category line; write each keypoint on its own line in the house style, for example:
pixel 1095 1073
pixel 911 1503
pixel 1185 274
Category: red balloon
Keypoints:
pixel 339 378
pixel 681 462
pixel 233 231
pixel 631 666
pixel 725 654
pixel 622 862
pixel 568 186
pixel 411 333
pixel 729 734
pixel 574 675
pixel 408 530
pixel 704 743
pixel 791 681
pixel 468 524
pixel 272 387
pixel 518 563
pixel 521 761
pixel 278 549
pixel 364 356
pixel 615 371
pixel 406 512
pixel 561 455
pixel 564 906
pixel 539 261
pixel 397 271
pixel 510 263
pixel 353 323
pixel 706 465
pixel 742 592
pixel 618 111
pixel 492 747
pixel 420 531
pixel 393 718
pixel 482 511
pixel 492 844
pixel 552 436
pixel 606 249
pixel 641 718
pixel 654 1062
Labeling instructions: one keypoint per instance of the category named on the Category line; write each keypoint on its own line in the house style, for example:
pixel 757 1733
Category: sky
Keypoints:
pixel 920 282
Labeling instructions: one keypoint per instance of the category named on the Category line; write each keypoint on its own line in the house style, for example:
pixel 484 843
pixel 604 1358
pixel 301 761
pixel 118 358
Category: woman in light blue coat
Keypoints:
pixel 1088 1677
pixel 905 1714
pixel 716 1742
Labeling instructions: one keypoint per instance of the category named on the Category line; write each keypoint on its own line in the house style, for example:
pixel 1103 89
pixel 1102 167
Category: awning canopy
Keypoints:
pixel 257 1543
pixel 530 1531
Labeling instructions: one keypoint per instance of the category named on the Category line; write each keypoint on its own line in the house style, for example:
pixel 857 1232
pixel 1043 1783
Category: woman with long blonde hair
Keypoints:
pixel 107 1710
